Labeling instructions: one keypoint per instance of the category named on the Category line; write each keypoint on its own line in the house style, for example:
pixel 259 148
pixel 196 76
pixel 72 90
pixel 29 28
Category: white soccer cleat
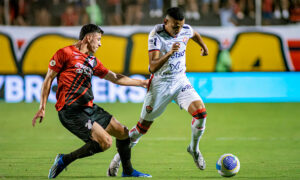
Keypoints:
pixel 114 166
pixel 198 158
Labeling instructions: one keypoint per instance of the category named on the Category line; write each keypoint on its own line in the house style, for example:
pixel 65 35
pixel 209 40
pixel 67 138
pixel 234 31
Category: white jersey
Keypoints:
pixel 161 40
pixel 169 82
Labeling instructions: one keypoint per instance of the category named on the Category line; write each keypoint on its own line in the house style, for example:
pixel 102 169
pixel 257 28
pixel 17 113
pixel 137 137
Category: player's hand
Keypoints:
pixel 39 115
pixel 204 51
pixel 175 47
pixel 145 83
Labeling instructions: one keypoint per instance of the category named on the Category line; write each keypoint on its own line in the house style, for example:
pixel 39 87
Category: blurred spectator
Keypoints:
pixel 94 12
pixel 295 11
pixel 41 15
pixel 192 11
pixel 57 8
pixel 2 17
pixel 114 12
pixel 70 17
pixel 227 15
pixel 267 12
pixel 156 7
pixel 80 8
pixel 129 12
pixel 21 14
pixel 18 12
pixel 245 7
pixel 206 5
pixel 133 11
pixel 281 9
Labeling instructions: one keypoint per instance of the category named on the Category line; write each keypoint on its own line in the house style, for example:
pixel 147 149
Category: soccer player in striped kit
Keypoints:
pixel 167 47
pixel 74 67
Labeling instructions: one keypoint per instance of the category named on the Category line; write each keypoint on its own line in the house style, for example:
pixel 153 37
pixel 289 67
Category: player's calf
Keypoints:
pixel 199 120
pixel 138 131
pixel 198 127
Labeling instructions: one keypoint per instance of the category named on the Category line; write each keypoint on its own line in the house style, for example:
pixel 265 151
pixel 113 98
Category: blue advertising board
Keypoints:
pixel 247 87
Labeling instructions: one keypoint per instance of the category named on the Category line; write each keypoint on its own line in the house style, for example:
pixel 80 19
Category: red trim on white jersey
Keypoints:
pixel 148 87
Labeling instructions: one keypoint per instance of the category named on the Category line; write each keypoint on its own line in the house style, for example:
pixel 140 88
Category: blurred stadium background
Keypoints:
pixel 250 83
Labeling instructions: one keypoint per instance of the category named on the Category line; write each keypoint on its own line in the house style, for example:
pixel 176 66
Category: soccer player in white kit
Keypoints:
pixel 167 46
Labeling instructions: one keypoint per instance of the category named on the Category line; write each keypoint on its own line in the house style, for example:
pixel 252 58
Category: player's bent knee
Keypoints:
pixel 200 114
pixel 105 143
pixel 125 133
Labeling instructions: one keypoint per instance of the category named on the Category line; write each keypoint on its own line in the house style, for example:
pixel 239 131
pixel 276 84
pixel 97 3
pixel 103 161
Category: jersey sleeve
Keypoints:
pixel 100 70
pixel 57 61
pixel 154 43
pixel 190 29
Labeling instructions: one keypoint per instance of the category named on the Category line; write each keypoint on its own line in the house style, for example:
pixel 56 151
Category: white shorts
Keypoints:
pixel 162 91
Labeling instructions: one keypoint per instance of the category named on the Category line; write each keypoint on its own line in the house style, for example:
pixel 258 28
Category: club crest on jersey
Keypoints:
pixel 149 109
pixel 91 60
pixel 52 63
pixel 185 40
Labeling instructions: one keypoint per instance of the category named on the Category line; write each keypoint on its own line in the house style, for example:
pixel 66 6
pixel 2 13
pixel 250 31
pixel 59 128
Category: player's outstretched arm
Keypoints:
pixel 44 96
pixel 197 38
pixel 156 62
pixel 124 80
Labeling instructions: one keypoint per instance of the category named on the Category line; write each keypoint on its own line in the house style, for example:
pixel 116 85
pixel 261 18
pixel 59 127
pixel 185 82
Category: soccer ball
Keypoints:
pixel 228 165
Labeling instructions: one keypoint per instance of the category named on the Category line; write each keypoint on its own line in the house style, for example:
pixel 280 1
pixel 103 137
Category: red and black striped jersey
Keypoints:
pixel 75 71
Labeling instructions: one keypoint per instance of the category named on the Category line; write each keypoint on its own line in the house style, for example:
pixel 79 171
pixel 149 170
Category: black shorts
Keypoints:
pixel 79 120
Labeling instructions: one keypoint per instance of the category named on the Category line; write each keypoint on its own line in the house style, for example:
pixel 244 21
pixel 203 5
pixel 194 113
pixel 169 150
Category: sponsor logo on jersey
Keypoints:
pixel 155 41
pixel 84 69
pixel 175 66
pixel 186 87
pixel 178 54
pixel 184 33
pixel 79 71
pixel 52 63
pixel 149 109
pixel 89 124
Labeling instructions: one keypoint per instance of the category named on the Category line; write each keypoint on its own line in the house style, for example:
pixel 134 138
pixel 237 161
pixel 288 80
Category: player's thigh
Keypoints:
pixel 155 104
pixel 189 100
pixel 116 129
pixel 99 135
pixel 77 122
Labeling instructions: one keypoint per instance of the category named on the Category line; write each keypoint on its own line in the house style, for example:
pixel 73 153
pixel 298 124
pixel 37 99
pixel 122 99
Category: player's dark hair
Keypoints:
pixel 89 28
pixel 176 12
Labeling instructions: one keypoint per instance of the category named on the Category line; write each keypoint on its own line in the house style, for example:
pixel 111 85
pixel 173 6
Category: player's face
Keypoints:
pixel 94 42
pixel 172 26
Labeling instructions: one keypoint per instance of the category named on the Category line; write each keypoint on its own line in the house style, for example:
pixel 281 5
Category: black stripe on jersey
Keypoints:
pixel 69 93
pixel 186 27
pixel 86 97
pixel 79 77
pixel 78 89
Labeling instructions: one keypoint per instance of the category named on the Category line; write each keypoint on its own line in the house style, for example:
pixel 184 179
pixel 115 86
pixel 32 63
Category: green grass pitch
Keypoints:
pixel 264 136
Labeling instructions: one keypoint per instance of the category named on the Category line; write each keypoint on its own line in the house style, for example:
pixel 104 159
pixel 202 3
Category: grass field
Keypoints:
pixel 265 137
